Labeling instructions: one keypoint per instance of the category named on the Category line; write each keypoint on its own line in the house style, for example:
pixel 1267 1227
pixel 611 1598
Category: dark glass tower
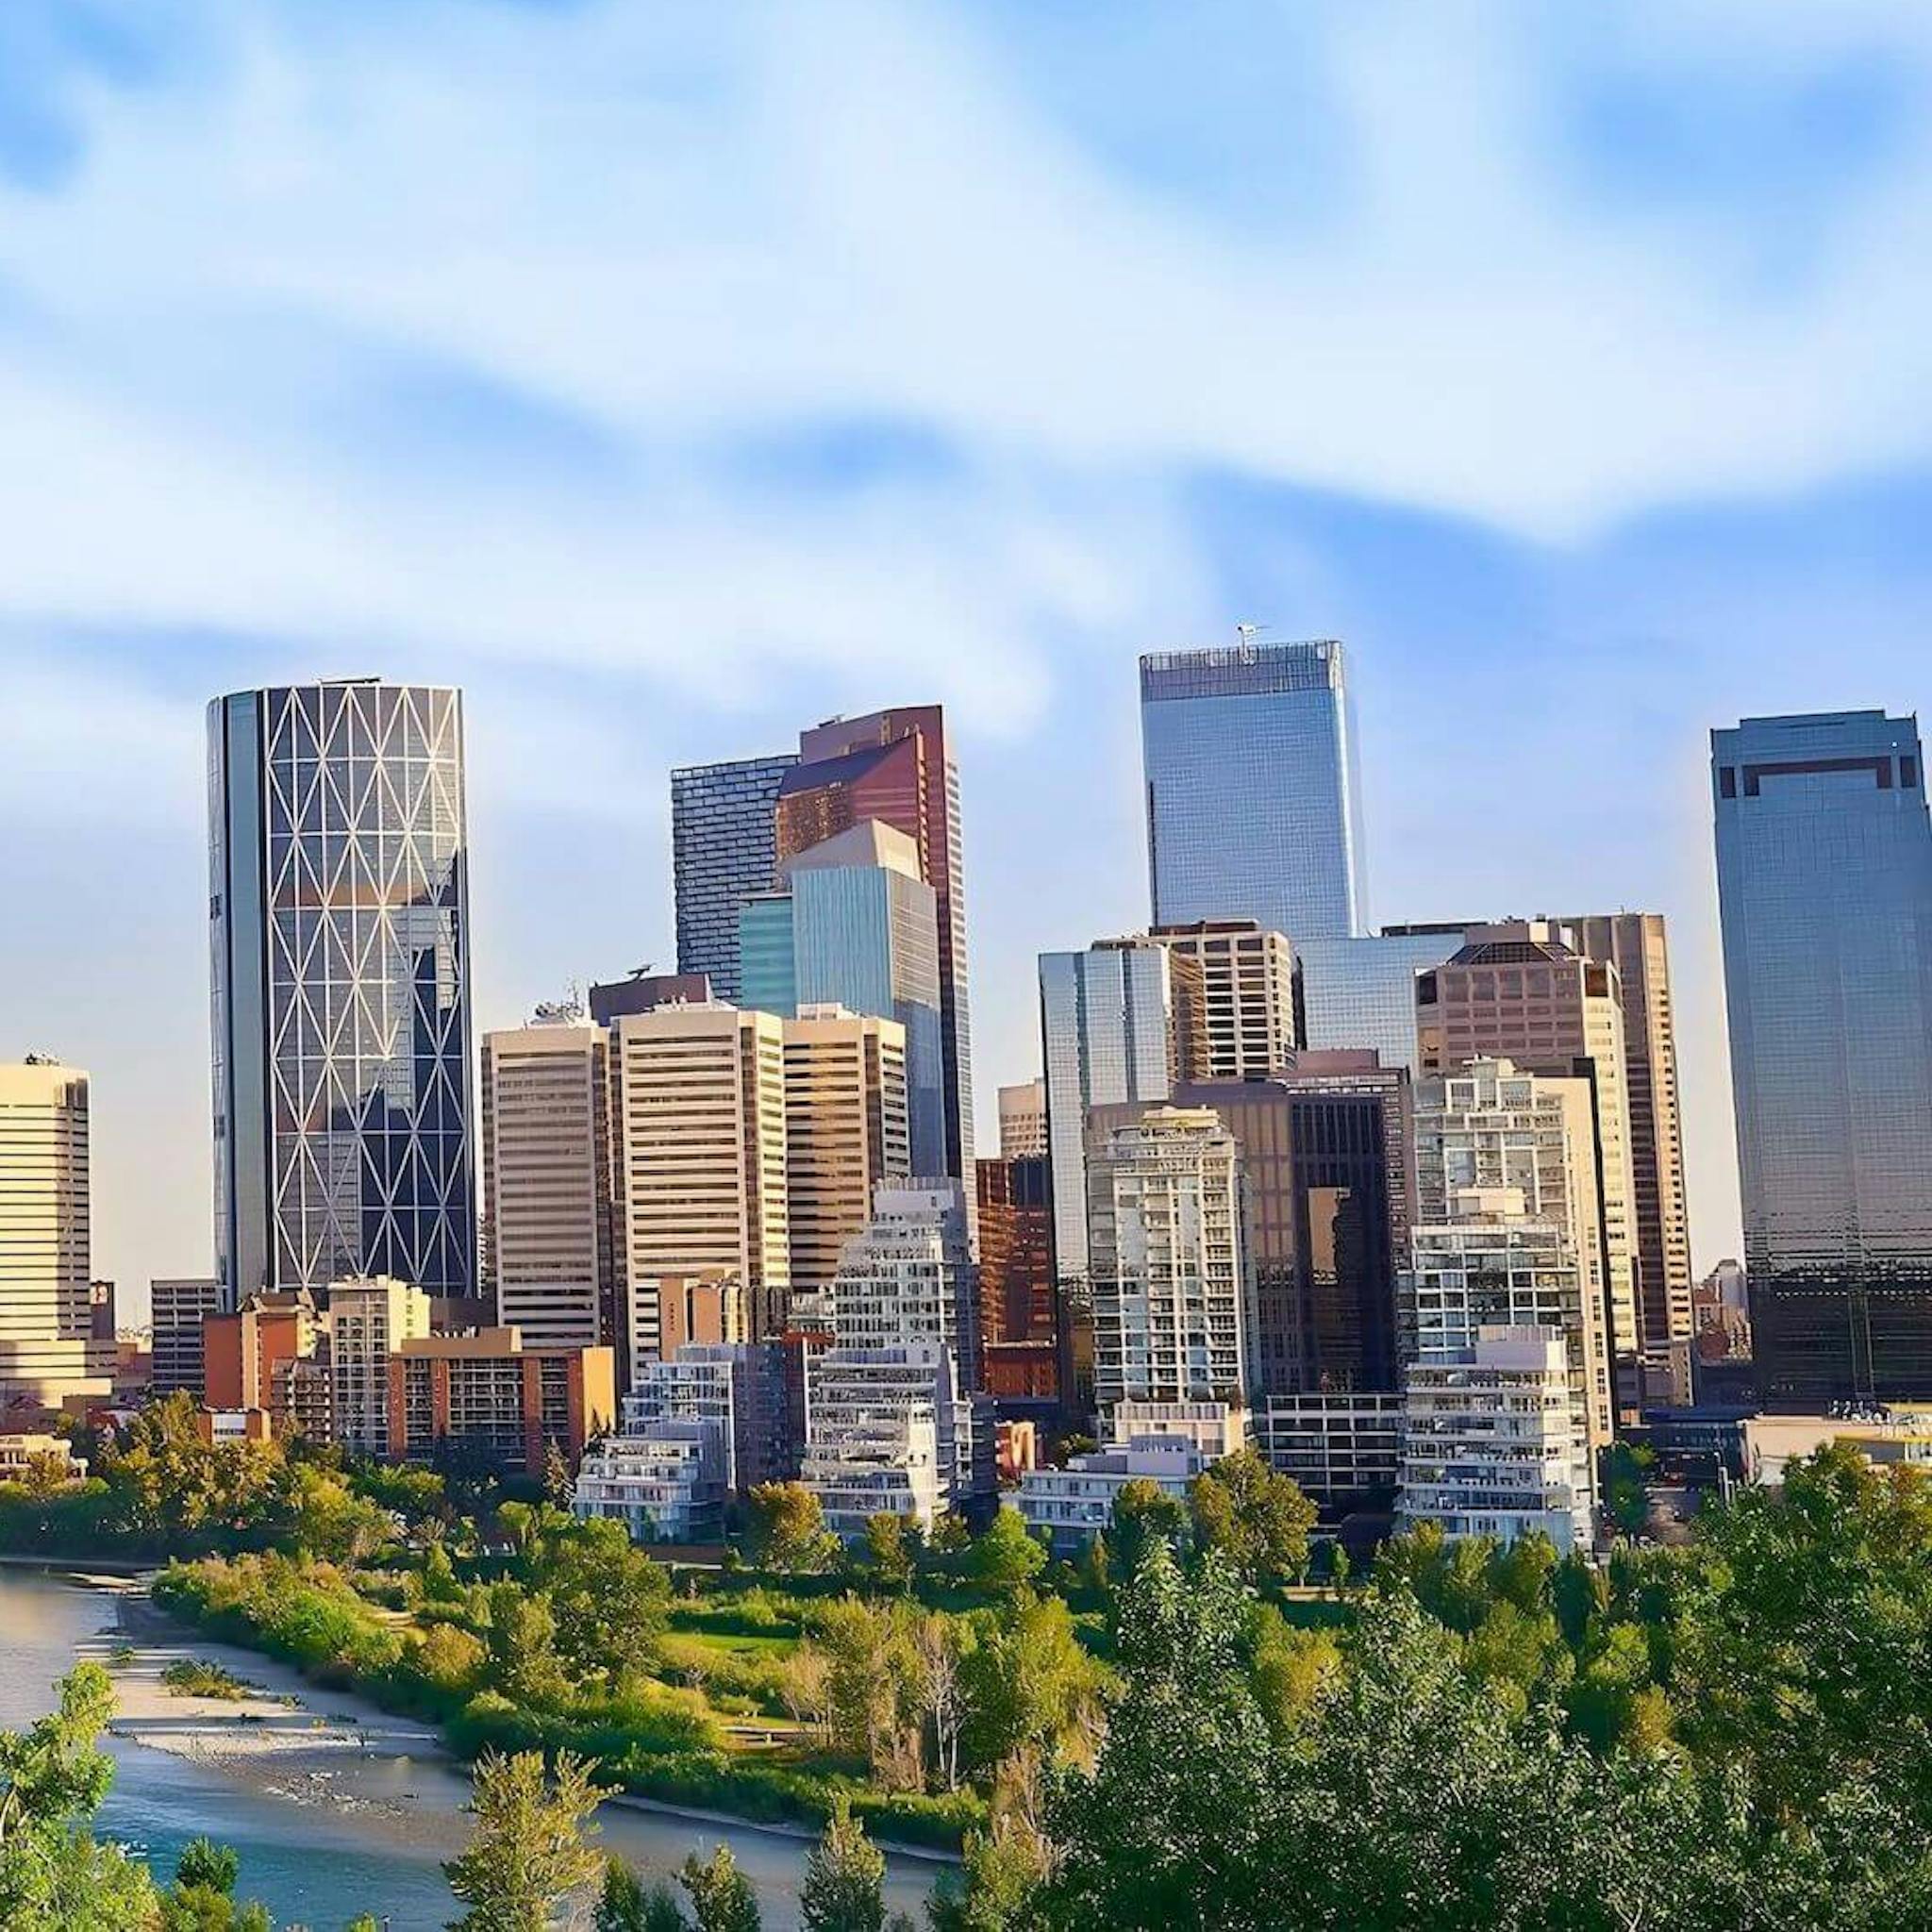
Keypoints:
pixel 1253 793
pixel 1824 890
pixel 723 850
pixel 339 933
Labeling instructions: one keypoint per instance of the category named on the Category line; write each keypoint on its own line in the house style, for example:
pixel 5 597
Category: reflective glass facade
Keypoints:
pixel 340 960
pixel 724 848
pixel 1253 793
pixel 1825 889
pixel 1361 992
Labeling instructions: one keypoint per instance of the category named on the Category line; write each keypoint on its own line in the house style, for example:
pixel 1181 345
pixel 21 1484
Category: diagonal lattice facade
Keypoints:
pixel 339 942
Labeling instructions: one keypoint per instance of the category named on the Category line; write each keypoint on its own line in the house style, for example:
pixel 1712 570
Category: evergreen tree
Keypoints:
pixel 529 1853
pixel 721 1894
pixel 844 1888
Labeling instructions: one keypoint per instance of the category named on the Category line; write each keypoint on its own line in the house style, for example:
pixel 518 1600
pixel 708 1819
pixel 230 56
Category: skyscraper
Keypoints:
pixel 724 848
pixel 897 767
pixel 339 924
pixel 1825 891
pixel 1361 992
pixel 1254 804
pixel 47 1346
pixel 1634 943
pixel 548 1267
pixel 1246 981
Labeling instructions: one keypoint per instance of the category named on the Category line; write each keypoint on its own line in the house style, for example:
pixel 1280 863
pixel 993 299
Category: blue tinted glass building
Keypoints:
pixel 1253 793
pixel 338 942
pixel 1361 992
pixel 1824 890
pixel 724 848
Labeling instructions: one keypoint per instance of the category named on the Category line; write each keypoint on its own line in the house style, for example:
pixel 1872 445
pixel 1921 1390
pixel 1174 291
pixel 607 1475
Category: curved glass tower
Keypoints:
pixel 338 937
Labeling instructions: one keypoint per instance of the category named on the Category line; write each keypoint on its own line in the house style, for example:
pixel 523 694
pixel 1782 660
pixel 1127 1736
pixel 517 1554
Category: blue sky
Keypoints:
pixel 672 375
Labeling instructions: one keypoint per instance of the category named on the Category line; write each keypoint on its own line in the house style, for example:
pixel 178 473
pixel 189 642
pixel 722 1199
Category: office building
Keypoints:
pixel 178 1310
pixel 724 848
pixel 339 937
pixel 369 1320
pixel 853 926
pixel 1825 892
pixel 1252 790
pixel 1113 1020
pixel 896 767
pixel 1495 1147
pixel 1245 979
pixel 699 1139
pixel 1019 1303
pixel 1359 993
pixel 1488 1443
pixel 1326 1206
pixel 1518 991
pixel 1170 1279
pixel 1022 1120
pixel 548 1267
pixel 48 1350
pixel 846 1130
pixel 1345 1450
pixel 486 1394
pixel 1634 945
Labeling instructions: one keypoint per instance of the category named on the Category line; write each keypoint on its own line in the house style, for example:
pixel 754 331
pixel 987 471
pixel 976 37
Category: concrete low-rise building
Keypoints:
pixel 1882 1437
pixel 1489 1440
pixel 1071 1507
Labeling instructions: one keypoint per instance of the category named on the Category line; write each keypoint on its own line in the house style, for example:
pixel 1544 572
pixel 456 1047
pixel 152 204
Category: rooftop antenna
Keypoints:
pixel 643 971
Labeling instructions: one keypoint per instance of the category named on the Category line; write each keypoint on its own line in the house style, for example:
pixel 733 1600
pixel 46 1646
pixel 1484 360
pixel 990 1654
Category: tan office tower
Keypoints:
pixel 1247 999
pixel 547 1268
pixel 1171 1283
pixel 1496 1148
pixel 1023 1121
pixel 47 1351
pixel 699 1135
pixel 1517 991
pixel 1634 943
pixel 845 1131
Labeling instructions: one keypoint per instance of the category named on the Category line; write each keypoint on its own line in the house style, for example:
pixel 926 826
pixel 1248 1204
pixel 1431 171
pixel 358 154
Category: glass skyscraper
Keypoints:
pixel 1253 794
pixel 1361 992
pixel 724 848
pixel 339 928
pixel 1824 890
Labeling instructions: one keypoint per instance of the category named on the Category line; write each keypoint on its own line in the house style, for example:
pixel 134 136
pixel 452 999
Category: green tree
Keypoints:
pixel 611 1600
pixel 721 1894
pixel 871 1675
pixel 523 1663
pixel 1259 1517
pixel 996 1883
pixel 627 1905
pixel 786 1529
pixel 1027 1679
pixel 204 1864
pixel 528 1855
pixel 845 1889
pixel 890 1551
pixel 1006 1556
pixel 1144 1513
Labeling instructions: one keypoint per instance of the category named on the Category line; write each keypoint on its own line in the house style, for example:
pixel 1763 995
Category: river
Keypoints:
pixel 364 1834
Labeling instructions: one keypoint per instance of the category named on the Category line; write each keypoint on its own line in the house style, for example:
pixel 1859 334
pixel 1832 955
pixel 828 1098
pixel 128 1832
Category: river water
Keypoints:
pixel 366 1835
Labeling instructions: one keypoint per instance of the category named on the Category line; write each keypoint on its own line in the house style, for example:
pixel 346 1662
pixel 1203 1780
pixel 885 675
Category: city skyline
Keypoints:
pixel 1472 376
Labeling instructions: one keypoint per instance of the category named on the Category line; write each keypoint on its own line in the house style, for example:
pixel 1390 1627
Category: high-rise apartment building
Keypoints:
pixel 896 767
pixel 1634 945
pixel 1252 790
pixel 1359 993
pixel 486 1392
pixel 1023 1121
pixel 845 1131
pixel 369 1320
pixel 338 926
pixel 1111 1024
pixel 1169 1281
pixel 548 1267
pixel 724 848
pixel 48 1350
pixel 699 1134
pixel 1326 1214
pixel 852 924
pixel 1518 991
pixel 1825 891
pixel 178 1310
pixel 1245 979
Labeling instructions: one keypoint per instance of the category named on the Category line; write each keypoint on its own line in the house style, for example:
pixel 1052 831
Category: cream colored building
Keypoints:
pixel 547 1264
pixel 845 1131
pixel 369 1318
pixel 1518 991
pixel 1023 1121
pixel 1170 1279
pixel 48 1353
pixel 699 1130
pixel 1246 991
